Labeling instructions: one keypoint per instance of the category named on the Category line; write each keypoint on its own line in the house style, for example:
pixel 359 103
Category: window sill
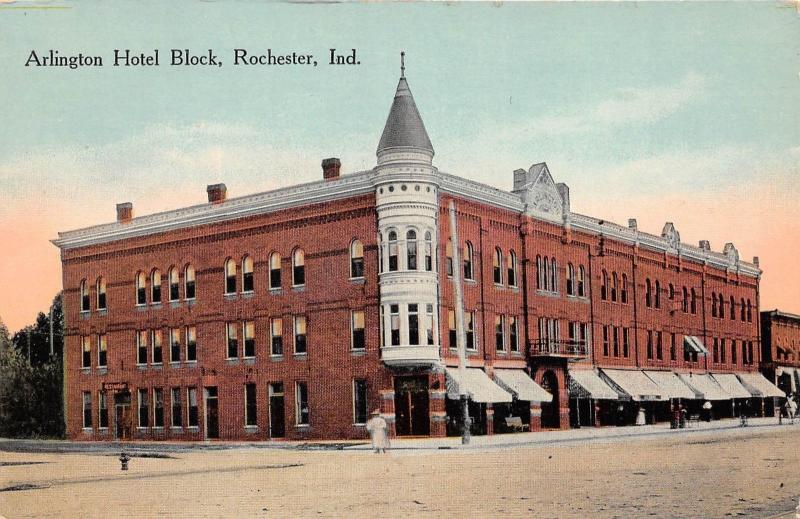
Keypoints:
pixel 298 288
pixel 85 312
pixel 157 304
pixel 102 429
pixel 247 295
pixel 251 428
pixel 158 427
pixel 191 363
pixel 87 430
pixel 230 295
pixel 102 370
pixel 275 290
pixel 86 369
pixel 358 281
pixel 249 360
pixel 193 427
pixel 141 366
pixel 358 352
pixel 470 282
pixel 301 356
pixel 176 429
pixel 232 360
pixel 359 425
pixel 276 358
pixel 302 426
pixel 102 311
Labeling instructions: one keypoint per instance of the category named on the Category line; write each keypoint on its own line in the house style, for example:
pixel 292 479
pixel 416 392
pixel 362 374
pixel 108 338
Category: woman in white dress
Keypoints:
pixel 377 428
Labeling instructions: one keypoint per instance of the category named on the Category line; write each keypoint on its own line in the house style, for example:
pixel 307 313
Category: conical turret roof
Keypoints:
pixel 404 127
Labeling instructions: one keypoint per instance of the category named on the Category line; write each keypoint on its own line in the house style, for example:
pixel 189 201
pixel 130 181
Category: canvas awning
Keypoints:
pixel 731 385
pixel 634 383
pixel 586 383
pixel 693 343
pixel 519 384
pixel 705 385
pixel 671 386
pixel 477 385
pixel 759 386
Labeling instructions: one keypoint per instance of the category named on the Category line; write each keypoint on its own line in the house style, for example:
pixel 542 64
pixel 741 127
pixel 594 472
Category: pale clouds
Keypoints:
pixel 628 106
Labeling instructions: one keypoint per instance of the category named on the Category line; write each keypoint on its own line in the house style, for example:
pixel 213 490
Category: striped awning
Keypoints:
pixel 586 383
pixel 759 386
pixel 705 385
pixel 634 383
pixel 519 384
pixel 693 343
pixel 731 385
pixel 671 385
pixel 475 383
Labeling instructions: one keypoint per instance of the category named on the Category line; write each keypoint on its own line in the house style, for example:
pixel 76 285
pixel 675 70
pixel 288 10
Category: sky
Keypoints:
pixel 681 112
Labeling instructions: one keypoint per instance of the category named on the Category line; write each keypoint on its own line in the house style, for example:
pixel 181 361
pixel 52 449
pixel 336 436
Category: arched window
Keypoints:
pixel 648 293
pixel 101 293
pixel 671 292
pixel 230 276
pixel 247 274
pixel 623 296
pixel 155 289
pixel 392 251
pixel 448 251
pixel 742 310
pixel 356 259
pixel 298 268
pixel 141 288
pixel 694 301
pixel 539 273
pixel 581 282
pixel 570 280
pixel 174 284
pixel 721 306
pixel 411 250
pixel 428 251
pixel 497 266
pixel 468 261
pixel 749 311
pixel 274 270
pixel 84 296
pixel 553 275
pixel 546 276
pixel 511 268
pixel 732 309
pixel 604 286
pixel 713 304
pixel 614 286
pixel 658 294
pixel 189 280
pixel 685 300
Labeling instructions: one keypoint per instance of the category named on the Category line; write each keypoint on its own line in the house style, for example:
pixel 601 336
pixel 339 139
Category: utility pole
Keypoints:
pixel 461 338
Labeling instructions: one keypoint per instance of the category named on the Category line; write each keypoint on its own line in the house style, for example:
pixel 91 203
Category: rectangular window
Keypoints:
pixel 103 413
pixel 649 344
pixel 86 346
pixel 722 351
pixel 275 271
pixel 750 352
pixel 174 286
pixel 276 335
pixel 673 353
pixel 250 405
pixel 177 408
pixel 102 351
pixel 429 330
pixel 413 324
pixel 247 280
pixel 744 352
pixel 144 413
pixel 357 330
pixel 394 321
pixel 191 402
pixel 626 342
pixel 190 283
pixel 359 401
pixel 301 404
pixel 513 338
pixel 659 346
pixel 452 336
pixel 616 341
pixel 300 346
pixel 175 345
pixel 469 317
pixel 158 407
pixel 249 329
pixel 87 410
pixel 733 351
pixel 141 347
pixel 191 344
pixel 157 358
pixel 716 350
pixel 605 341
pixel 499 333
pixel 232 336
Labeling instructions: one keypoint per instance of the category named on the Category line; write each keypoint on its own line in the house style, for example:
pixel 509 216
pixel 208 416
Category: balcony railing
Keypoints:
pixel 558 348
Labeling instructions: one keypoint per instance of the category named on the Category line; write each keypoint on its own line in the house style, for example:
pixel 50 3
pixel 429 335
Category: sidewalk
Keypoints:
pixel 498 441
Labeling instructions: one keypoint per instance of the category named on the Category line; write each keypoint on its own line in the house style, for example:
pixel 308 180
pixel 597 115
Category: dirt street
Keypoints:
pixel 751 473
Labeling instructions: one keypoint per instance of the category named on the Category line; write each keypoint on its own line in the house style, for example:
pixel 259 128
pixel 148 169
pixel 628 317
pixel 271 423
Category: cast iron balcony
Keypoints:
pixel 568 349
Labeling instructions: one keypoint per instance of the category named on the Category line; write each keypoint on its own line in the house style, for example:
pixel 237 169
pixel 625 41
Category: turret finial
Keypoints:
pixel 403 64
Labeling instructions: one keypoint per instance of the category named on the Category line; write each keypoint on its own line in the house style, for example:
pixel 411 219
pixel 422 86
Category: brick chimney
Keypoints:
pixel 124 212
pixel 705 245
pixel 216 193
pixel 330 168
pixel 633 224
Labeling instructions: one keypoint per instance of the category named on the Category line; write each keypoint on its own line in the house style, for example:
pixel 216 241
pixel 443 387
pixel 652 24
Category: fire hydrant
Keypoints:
pixel 124 459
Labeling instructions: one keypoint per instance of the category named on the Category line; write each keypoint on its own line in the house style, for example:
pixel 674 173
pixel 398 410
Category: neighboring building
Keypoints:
pixel 780 349
pixel 294 313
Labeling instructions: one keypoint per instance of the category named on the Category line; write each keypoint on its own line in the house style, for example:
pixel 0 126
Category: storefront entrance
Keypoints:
pixel 122 415
pixel 277 426
pixel 551 418
pixel 212 413
pixel 411 406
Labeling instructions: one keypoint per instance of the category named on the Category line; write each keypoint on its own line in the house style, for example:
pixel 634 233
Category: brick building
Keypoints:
pixel 296 312
pixel 780 349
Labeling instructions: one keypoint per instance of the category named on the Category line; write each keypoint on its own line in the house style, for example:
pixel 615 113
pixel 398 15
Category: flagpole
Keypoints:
pixel 460 331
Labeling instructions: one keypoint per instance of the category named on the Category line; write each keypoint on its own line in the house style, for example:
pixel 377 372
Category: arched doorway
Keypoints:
pixel 550 410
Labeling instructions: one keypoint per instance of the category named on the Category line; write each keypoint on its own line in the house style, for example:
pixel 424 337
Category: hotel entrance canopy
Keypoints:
pixel 477 384
pixel 586 383
pixel 518 383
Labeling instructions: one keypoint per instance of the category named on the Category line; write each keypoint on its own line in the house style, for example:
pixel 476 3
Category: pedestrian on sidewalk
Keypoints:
pixel 792 408
pixel 707 410
pixel 640 417
pixel 378 432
